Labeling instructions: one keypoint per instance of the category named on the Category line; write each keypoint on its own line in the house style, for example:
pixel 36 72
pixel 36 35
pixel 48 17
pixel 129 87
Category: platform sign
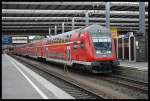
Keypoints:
pixel 126 35
pixel 114 33
pixel 19 39
pixel 6 39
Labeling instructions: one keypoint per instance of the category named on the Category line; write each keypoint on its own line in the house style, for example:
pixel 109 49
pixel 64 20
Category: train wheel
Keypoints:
pixel 82 68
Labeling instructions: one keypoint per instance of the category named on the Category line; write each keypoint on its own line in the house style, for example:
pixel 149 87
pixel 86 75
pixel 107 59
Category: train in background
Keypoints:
pixel 91 49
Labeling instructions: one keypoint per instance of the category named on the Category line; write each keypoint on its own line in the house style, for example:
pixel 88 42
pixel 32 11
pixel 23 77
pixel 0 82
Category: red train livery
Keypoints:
pixel 91 49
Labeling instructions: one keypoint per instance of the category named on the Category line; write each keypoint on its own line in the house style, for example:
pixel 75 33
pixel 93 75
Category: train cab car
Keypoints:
pixel 93 48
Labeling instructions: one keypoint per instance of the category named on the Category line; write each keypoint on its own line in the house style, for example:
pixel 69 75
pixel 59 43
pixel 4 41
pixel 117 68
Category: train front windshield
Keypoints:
pixel 102 45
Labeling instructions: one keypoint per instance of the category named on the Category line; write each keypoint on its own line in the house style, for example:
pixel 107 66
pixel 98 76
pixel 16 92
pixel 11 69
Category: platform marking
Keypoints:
pixel 59 93
pixel 34 86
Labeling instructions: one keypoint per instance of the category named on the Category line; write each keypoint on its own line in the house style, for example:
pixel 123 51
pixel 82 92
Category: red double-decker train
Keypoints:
pixel 91 49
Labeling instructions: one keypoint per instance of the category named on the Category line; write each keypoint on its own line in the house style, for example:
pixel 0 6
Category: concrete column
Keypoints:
pixel 63 27
pixel 117 47
pixel 72 23
pixel 49 32
pixel 86 18
pixel 55 30
pixel 28 39
pixel 142 17
pixel 123 47
pixel 107 7
pixel 142 27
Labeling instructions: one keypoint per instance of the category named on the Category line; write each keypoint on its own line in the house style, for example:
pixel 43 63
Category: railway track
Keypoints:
pixel 129 83
pixel 124 81
pixel 70 87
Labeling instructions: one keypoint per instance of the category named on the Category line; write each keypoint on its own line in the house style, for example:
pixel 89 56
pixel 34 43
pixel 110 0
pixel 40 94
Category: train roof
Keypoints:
pixel 95 28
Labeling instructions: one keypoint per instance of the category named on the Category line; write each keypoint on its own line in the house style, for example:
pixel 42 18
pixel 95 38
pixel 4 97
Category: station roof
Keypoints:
pixel 36 17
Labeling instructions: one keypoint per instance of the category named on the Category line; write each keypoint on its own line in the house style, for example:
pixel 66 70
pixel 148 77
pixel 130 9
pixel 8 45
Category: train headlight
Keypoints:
pixel 97 52
pixel 109 51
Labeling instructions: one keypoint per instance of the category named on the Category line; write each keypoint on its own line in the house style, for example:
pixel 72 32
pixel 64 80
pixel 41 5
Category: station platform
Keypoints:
pixel 143 66
pixel 20 82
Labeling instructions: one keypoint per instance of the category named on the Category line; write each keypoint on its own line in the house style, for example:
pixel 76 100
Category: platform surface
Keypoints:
pixel 19 82
pixel 137 65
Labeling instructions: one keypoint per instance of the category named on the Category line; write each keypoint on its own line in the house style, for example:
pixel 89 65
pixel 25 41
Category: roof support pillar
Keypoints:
pixel 87 18
pixel 49 32
pixel 62 27
pixel 28 39
pixel 107 7
pixel 73 23
pixel 55 30
pixel 142 17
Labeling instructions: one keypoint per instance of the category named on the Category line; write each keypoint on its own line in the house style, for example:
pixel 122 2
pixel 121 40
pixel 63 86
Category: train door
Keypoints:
pixel 68 55
pixel 46 51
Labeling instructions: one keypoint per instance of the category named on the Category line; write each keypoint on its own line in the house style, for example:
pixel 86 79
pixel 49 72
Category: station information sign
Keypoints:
pixel 6 39
pixel 19 39
pixel 114 33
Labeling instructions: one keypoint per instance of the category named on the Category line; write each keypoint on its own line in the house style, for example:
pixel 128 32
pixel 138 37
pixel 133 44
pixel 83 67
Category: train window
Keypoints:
pixel 61 40
pixel 49 41
pixel 79 34
pixel 75 46
pixel 64 40
pixel 82 45
pixel 75 43
pixel 67 39
pixel 58 40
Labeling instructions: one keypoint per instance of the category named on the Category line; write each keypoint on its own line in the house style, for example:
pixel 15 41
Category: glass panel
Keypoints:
pixel 102 45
